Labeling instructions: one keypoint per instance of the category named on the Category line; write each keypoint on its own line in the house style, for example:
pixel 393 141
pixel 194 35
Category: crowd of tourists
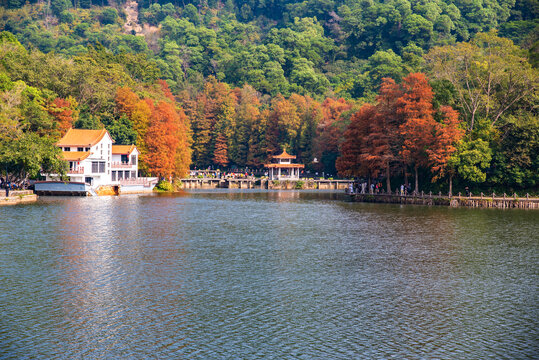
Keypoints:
pixel 8 185
pixel 216 174
pixel 362 187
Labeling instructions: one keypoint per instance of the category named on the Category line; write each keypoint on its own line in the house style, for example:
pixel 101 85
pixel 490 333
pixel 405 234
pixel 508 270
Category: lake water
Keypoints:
pixel 262 275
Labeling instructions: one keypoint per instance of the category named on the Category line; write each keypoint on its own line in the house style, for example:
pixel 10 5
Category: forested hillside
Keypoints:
pixel 237 81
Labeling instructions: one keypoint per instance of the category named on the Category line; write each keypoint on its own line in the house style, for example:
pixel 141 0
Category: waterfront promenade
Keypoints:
pixel 17 197
pixel 481 201
pixel 264 183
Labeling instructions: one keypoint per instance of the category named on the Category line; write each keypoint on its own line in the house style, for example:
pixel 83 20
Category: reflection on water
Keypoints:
pixel 265 274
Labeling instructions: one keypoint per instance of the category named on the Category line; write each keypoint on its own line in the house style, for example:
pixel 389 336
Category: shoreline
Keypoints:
pixel 253 183
pixel 498 202
pixel 18 197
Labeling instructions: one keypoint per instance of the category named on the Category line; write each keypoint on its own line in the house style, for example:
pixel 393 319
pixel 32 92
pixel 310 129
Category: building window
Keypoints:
pixel 133 174
pixel 113 175
pixel 80 149
pixel 133 159
pixel 98 167
pixel 67 149
pixel 125 159
pixel 120 175
pixel 87 149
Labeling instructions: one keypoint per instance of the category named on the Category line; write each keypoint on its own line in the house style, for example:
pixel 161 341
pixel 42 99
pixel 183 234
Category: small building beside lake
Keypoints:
pixel 96 166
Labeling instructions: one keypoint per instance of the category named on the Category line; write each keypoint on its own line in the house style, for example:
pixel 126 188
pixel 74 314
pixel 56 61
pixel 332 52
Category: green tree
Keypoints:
pixel 30 154
pixel 516 153
pixel 57 6
pixel 491 76
pixel 471 160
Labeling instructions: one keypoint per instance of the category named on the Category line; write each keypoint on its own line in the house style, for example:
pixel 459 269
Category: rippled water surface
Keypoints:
pixel 256 275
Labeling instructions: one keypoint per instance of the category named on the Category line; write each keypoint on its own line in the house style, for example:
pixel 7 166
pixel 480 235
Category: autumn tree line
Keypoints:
pixel 470 118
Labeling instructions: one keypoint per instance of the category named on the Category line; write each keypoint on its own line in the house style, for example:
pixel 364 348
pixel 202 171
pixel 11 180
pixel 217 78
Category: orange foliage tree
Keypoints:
pixel 247 122
pixel 329 133
pixel 353 160
pixel 400 130
pixel 283 125
pixel 212 115
pixel 139 112
pixel 447 135
pixel 383 138
pixel 126 101
pixel 183 151
pixel 220 154
pixel 167 141
pixel 418 127
pixel 64 113
pixel 375 137
pixel 310 115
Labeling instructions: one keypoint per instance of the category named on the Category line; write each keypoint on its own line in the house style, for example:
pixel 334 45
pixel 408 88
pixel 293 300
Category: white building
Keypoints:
pixel 124 164
pixel 89 153
pixel 95 162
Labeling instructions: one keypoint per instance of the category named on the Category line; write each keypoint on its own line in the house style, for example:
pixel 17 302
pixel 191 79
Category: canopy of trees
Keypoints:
pixel 229 83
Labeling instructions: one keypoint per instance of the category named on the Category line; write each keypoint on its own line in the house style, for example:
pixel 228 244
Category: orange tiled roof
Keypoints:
pixel 82 137
pixel 75 155
pixel 284 155
pixel 123 149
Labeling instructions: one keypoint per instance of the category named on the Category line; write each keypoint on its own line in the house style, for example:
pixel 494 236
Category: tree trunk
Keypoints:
pixel 416 181
pixel 405 177
pixel 450 185
pixel 388 180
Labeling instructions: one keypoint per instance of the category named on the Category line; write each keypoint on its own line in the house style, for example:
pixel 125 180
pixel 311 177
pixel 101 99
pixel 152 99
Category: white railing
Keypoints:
pixel 76 171
pixel 136 181
pixel 121 165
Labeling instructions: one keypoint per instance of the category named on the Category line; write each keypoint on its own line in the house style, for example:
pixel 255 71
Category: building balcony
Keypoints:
pixel 79 170
pixel 121 165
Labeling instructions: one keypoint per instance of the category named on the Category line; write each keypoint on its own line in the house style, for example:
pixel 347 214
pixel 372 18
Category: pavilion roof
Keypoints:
pixel 284 155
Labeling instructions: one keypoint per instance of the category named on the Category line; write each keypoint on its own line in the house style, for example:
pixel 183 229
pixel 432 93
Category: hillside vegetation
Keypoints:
pixel 240 80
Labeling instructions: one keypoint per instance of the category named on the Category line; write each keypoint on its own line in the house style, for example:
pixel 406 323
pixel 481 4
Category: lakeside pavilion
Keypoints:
pixel 283 168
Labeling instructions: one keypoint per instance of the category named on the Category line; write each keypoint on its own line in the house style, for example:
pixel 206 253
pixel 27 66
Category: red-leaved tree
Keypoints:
pixel 447 135
pixel 418 127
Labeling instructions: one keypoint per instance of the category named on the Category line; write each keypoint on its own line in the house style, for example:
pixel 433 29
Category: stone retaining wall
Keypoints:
pixel 27 197
pixel 500 203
